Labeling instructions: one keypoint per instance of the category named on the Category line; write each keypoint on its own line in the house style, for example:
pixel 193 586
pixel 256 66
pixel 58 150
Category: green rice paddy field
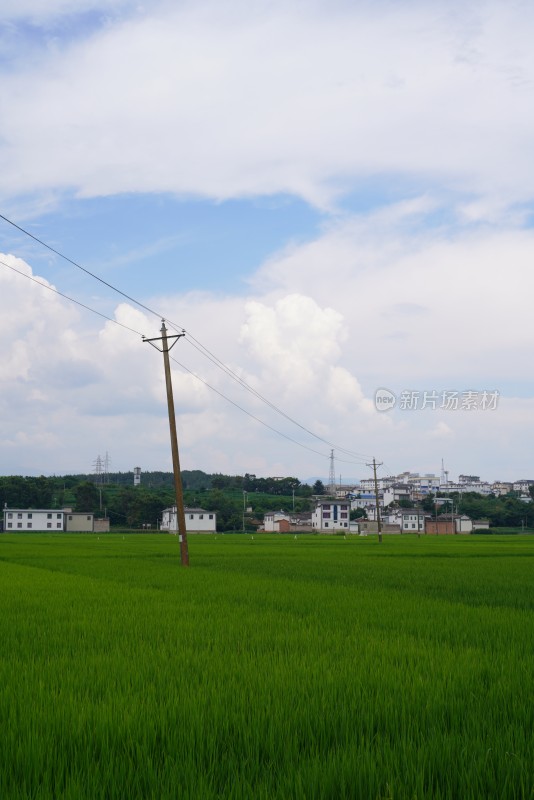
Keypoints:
pixel 274 667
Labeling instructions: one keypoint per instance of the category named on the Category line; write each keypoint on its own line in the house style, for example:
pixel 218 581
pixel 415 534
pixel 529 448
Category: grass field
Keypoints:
pixel 274 667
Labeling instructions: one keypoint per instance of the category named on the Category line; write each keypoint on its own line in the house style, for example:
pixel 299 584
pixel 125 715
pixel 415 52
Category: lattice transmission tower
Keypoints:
pixel 332 475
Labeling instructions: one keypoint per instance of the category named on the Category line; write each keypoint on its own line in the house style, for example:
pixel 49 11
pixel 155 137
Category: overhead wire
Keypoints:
pixel 183 366
pixel 78 266
pixel 71 299
pixel 253 416
pixel 234 376
pixel 202 349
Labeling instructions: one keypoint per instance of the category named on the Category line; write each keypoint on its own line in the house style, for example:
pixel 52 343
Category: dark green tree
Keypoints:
pixel 87 497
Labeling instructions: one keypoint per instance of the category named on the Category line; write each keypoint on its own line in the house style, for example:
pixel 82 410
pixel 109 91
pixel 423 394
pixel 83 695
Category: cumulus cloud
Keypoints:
pixel 294 339
pixel 73 387
pixel 467 291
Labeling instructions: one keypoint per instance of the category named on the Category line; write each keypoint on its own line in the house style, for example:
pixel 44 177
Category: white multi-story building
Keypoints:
pixel 35 519
pixel 331 515
pixel 501 487
pixel 368 484
pixel 482 487
pixel 196 519
pixel 412 520
pixel 399 491
pixel 523 486
pixel 39 519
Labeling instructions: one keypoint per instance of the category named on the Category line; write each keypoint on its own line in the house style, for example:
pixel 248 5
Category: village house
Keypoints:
pixel 46 519
pixel 331 515
pixel 276 522
pixel 412 520
pixel 197 520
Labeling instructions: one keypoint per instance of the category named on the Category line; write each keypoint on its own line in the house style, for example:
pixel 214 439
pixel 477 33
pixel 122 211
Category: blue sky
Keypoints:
pixel 150 242
pixel 331 199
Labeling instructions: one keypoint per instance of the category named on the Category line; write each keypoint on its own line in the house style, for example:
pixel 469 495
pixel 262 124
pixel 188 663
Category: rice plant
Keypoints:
pixel 320 667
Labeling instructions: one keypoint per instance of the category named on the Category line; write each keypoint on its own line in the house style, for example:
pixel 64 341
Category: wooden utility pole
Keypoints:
pixel 374 465
pixel 180 513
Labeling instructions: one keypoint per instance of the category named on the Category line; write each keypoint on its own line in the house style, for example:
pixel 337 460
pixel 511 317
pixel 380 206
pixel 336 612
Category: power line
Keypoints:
pixel 234 376
pixel 71 299
pixel 78 266
pixel 254 417
pixel 192 340
pixel 132 330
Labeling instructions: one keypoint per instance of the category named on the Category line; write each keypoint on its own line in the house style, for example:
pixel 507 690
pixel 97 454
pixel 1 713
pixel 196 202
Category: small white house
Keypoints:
pixel 330 515
pixel 196 520
pixel 272 519
pixel 36 519
pixel 412 520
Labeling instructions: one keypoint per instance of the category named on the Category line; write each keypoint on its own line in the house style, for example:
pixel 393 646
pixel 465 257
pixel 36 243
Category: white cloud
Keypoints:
pixel 419 304
pixel 235 100
pixel 294 341
pixel 316 337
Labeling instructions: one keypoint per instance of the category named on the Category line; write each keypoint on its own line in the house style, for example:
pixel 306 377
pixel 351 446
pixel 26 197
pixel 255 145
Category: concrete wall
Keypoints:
pixel 76 521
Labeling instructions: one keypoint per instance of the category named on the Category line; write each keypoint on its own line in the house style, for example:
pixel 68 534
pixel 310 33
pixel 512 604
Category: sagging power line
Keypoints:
pixel 360 457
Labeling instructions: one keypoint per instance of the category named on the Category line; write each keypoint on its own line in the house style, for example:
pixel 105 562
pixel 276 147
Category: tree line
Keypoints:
pixel 141 506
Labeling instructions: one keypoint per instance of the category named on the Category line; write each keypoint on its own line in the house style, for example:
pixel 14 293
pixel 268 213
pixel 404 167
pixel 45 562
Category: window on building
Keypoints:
pixel 70 517
pixel 9 524
pixel 49 516
pixel 326 524
pixel 88 518
pixel 58 525
pixel 413 525
pixel 19 516
pixel 30 524
pixel 201 516
pixel 191 516
pixel 58 516
pixel 211 516
pixel 343 515
pixel 48 524
pixel 19 524
pixel 10 515
pixel 30 516
pixel 326 514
